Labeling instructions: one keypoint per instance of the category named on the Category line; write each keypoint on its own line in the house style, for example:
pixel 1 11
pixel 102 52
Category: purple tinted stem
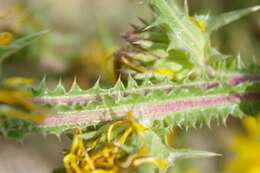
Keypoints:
pixel 152 110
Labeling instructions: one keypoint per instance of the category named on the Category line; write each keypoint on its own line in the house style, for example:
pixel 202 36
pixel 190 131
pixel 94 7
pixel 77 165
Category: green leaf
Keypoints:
pixel 186 7
pixel 14 128
pixel 216 22
pixel 147 168
pixel 19 44
pixel 183 33
pixel 155 145
pixel 187 154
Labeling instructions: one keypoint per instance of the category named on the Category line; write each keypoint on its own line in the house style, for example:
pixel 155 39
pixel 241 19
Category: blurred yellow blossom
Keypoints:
pixel 17 81
pixel 6 38
pixel 94 61
pixel 16 16
pixel 246 148
pixel 15 101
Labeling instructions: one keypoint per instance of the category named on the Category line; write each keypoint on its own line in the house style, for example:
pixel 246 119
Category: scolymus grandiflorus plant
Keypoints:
pixel 168 75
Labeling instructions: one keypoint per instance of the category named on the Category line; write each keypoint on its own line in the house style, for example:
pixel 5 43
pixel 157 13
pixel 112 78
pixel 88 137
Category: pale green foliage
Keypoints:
pixel 183 33
pixel 213 23
pixel 88 107
pixel 19 44
pixel 181 43
pixel 97 104
pixel 207 88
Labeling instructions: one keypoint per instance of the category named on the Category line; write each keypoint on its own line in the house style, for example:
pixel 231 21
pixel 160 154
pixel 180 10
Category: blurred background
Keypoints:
pixel 83 36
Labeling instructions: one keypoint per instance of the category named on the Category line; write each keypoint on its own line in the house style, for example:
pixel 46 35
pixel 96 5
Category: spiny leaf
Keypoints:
pixel 42 89
pixel 119 86
pixel 96 88
pixel 176 154
pixel 131 83
pixel 59 90
pixel 186 105
pixel 187 153
pixel 216 22
pixel 179 44
pixel 75 88
pixel 186 7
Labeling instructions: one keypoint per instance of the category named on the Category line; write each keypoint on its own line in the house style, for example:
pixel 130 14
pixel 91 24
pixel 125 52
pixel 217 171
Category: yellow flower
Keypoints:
pixel 17 81
pixel 109 157
pixel 6 38
pixel 199 23
pixel 16 101
pixel 246 148
pixel 78 160
pixel 142 69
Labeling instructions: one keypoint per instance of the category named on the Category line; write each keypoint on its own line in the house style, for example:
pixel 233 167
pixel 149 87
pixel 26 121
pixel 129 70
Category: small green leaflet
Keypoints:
pixel 213 23
pixel 19 44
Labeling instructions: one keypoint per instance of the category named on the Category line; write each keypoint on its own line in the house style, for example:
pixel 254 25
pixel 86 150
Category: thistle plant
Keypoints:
pixel 169 75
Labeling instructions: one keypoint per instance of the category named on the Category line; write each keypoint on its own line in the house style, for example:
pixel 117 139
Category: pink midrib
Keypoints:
pixel 150 110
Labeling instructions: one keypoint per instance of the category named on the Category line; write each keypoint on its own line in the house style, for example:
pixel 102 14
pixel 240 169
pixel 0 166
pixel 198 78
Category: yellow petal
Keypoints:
pixel 17 81
pixel 125 135
pixel 26 116
pixel 162 164
pixel 202 25
pixel 165 72
pixel 252 125
pixel 110 129
pixel 70 164
pixel 139 128
pixel 6 39
pixel 105 171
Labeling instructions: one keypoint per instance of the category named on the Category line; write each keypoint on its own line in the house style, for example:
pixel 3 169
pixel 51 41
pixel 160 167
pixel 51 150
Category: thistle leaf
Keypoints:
pixel 59 90
pixel 188 154
pixel 186 105
pixel 215 22
pixel 75 88
pixel 183 33
pixel 186 7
